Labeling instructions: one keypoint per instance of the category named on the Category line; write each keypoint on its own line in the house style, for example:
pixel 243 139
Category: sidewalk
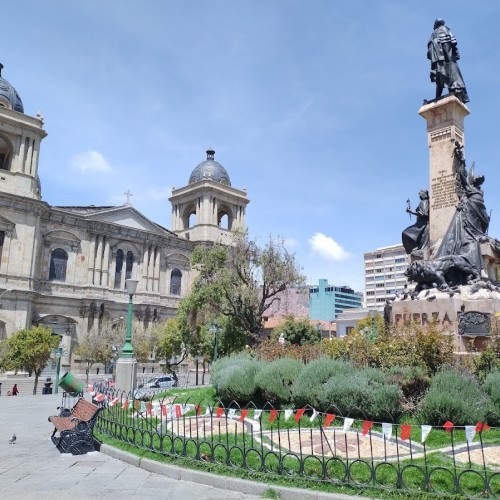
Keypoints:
pixel 34 469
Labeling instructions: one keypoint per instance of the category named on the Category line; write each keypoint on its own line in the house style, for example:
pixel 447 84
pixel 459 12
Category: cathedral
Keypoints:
pixel 65 266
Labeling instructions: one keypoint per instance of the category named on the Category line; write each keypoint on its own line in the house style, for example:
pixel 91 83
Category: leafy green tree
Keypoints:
pixel 169 341
pixel 29 350
pixel 297 331
pixel 239 282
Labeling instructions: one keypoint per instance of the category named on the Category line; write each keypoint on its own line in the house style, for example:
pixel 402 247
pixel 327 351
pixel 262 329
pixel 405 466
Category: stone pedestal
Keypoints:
pixel 445 125
pixel 439 307
pixel 126 374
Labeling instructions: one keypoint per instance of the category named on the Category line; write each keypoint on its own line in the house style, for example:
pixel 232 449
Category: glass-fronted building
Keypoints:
pixel 327 301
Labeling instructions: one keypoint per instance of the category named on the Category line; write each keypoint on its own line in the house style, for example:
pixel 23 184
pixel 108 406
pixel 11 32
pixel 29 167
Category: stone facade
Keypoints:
pixel 65 267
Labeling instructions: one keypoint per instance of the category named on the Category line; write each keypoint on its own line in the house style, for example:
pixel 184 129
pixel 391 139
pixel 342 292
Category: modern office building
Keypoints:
pixel 327 301
pixel 384 274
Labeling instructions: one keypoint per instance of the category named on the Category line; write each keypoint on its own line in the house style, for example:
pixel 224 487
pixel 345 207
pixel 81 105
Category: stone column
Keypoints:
pixel 445 125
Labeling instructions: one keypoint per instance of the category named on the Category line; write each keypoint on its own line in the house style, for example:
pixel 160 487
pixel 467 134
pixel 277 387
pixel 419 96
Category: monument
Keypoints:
pixel 453 259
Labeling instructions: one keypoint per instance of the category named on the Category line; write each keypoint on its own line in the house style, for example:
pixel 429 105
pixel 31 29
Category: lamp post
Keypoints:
pixel 58 353
pixel 372 333
pixel 215 329
pixel 128 348
pixel 126 366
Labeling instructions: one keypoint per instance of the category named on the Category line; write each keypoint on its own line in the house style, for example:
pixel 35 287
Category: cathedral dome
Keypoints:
pixel 210 170
pixel 9 98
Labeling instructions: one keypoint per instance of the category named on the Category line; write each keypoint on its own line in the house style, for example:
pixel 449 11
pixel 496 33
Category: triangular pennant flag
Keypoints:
pixel 470 432
pixel 387 430
pixel 208 411
pixel 163 410
pixel 114 402
pixel 149 408
pixel 257 414
pixel 482 426
pixel 298 414
pixel 348 423
pixel 178 413
pixel 231 413
pixel 425 432
pixel 219 412
pixel 125 405
pixel 328 419
pixel 448 426
pixel 367 425
pixel 137 405
pixel 90 387
pixel 288 414
pixel 198 409
pixel 143 406
pixel 313 416
pixel 405 431
pixel 185 409
pixel 272 415
pixel 99 398
pixel 244 414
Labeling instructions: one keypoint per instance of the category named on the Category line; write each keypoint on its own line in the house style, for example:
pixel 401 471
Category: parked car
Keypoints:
pixel 149 388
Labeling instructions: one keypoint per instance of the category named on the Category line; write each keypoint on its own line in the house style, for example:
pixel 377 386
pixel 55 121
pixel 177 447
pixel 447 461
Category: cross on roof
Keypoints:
pixel 128 194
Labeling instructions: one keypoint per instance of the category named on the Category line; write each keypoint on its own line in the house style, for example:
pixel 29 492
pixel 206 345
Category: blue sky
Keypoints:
pixel 311 106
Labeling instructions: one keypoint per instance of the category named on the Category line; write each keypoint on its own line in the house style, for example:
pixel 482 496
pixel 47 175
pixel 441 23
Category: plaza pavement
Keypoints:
pixel 34 469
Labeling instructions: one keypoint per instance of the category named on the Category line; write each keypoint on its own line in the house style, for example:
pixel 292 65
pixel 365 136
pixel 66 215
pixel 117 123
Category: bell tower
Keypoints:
pixel 208 209
pixel 20 139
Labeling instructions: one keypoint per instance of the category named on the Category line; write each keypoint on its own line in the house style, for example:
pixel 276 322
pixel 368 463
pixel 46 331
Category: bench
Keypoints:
pixel 75 430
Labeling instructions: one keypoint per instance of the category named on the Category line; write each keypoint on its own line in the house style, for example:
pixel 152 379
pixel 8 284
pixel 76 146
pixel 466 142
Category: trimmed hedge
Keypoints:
pixel 275 379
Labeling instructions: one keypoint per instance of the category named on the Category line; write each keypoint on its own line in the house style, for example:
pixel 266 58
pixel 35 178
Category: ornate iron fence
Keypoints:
pixel 318 446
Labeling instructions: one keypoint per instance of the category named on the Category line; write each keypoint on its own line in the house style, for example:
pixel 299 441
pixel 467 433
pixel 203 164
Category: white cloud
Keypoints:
pixel 90 161
pixel 327 247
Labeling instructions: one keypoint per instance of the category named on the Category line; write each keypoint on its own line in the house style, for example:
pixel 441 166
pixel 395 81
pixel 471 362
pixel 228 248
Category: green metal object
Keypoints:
pixel 128 348
pixel 70 383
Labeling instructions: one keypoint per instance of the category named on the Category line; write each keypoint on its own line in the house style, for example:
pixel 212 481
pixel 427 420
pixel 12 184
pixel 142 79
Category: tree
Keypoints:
pixel 96 346
pixel 297 331
pixel 29 350
pixel 169 341
pixel 240 282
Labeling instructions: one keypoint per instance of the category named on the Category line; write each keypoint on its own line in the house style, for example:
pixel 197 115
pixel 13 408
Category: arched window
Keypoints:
pixel 175 282
pixel 118 270
pixel 58 263
pixel 129 265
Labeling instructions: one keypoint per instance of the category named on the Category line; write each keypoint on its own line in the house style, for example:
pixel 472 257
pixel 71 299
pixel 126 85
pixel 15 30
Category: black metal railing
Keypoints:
pixel 318 446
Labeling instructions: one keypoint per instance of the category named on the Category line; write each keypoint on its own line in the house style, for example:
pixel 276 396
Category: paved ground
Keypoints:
pixel 33 468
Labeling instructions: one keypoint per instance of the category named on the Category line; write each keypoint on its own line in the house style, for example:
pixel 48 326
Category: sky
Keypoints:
pixel 311 106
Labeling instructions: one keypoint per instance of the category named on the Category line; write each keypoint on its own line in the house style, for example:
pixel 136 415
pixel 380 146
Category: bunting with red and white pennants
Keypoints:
pixel 114 402
pixel 99 397
pixel 257 414
pixel 367 425
pixel 426 429
pixel 313 416
pixel 405 431
pixel 387 430
pixel 348 423
pixel 231 413
pixel 244 414
pixel 298 414
pixel 470 432
pixel 125 405
pixel 208 411
pixel 272 415
pixel 219 412
pixel 143 407
pixel 329 418
pixel 288 414
pixel 481 426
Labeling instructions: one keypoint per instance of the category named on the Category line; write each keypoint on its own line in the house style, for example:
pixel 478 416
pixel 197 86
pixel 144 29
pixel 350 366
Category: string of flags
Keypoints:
pixel 171 410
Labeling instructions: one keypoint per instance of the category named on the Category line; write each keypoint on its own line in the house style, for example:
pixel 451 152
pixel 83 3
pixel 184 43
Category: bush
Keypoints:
pixel 492 388
pixel 412 380
pixel 308 386
pixel 455 396
pixel 275 379
pixel 234 378
pixel 269 350
pixel 360 395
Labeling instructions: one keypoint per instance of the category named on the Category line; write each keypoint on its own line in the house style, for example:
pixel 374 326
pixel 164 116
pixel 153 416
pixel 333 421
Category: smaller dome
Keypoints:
pixel 210 170
pixel 9 98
